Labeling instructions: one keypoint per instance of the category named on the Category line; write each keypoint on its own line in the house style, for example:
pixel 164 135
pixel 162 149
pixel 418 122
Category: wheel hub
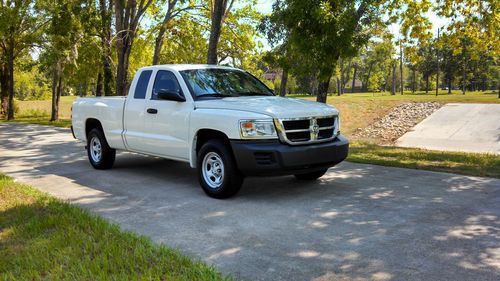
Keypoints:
pixel 213 170
pixel 95 149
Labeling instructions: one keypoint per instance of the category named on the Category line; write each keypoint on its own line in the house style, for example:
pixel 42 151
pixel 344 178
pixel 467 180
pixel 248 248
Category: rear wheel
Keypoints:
pixel 101 156
pixel 217 172
pixel 311 175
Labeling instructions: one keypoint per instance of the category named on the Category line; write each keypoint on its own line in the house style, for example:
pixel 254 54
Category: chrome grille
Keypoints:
pixel 307 130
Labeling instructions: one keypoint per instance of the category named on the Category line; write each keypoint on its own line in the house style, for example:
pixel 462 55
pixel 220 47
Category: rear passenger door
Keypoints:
pixel 135 112
pixel 167 122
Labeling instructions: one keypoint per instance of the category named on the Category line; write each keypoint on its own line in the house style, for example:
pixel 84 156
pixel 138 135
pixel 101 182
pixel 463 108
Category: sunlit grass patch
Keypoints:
pixel 43 238
pixel 45 120
pixel 474 164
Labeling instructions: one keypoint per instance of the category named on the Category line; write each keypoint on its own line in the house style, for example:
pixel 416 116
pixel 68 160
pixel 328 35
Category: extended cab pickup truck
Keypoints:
pixel 221 120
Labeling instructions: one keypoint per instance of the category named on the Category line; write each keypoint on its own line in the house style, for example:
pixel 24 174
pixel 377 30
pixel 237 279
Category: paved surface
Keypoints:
pixel 359 222
pixel 458 127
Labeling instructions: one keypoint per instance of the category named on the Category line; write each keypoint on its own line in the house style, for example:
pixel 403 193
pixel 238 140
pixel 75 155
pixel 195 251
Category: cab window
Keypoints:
pixel 142 84
pixel 165 80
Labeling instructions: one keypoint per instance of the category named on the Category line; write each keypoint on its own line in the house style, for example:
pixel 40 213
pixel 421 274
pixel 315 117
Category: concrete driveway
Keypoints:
pixel 359 222
pixel 458 127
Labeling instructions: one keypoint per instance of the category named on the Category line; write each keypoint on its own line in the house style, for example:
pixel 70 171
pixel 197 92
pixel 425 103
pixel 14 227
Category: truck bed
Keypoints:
pixel 108 110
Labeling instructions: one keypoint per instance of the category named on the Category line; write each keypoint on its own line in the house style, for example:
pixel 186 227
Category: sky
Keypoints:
pixel 265 7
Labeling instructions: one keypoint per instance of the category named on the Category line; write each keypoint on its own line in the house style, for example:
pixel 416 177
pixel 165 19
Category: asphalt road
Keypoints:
pixel 458 127
pixel 359 222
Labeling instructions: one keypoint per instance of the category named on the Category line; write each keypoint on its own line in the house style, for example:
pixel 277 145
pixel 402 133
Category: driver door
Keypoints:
pixel 167 122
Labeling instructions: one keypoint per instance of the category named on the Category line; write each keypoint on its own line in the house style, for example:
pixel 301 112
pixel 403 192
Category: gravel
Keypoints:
pixel 399 121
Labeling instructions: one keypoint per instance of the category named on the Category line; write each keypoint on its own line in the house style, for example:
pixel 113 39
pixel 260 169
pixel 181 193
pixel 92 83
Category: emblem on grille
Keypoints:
pixel 314 129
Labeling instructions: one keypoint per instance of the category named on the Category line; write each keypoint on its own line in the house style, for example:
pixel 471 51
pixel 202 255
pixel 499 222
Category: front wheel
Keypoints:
pixel 311 175
pixel 101 156
pixel 217 172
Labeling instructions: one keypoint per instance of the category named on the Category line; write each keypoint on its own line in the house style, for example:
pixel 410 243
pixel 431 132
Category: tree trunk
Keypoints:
pixel 354 78
pixel 122 69
pixel 10 84
pixel 161 32
pixel 401 84
pixel 339 86
pixel 464 76
pixel 85 88
pixel 426 84
pixel 4 90
pixel 55 106
pixel 98 89
pixel 123 44
pixel 367 83
pixel 215 29
pixel 159 44
pixel 127 16
pixel 393 92
pixel 284 82
pixel 449 86
pixel 345 76
pixel 323 90
pixel 107 79
pixel 414 84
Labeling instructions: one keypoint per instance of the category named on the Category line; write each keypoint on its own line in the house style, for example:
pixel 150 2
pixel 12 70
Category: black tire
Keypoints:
pixel 230 179
pixel 311 175
pixel 107 155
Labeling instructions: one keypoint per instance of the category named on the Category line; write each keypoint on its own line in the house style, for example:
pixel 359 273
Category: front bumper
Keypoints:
pixel 271 157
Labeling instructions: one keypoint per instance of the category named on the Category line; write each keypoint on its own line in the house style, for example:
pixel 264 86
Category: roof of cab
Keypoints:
pixel 180 67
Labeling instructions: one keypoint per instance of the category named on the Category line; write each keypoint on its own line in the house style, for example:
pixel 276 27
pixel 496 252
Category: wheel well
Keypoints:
pixel 205 135
pixel 91 124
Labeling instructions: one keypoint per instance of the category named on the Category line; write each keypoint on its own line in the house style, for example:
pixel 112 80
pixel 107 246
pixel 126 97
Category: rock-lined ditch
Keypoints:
pixel 399 121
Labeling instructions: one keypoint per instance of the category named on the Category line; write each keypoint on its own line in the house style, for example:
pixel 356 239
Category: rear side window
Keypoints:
pixel 142 84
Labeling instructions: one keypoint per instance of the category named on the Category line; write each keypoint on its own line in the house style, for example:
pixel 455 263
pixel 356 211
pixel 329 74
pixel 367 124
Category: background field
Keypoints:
pixel 357 110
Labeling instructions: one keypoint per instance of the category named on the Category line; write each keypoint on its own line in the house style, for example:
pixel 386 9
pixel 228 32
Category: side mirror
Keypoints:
pixel 172 95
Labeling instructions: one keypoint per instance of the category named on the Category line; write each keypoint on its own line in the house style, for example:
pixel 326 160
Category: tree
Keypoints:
pixel 19 30
pixel 474 35
pixel 61 44
pixel 128 14
pixel 325 31
pixel 174 8
pixel 375 62
pixel 219 10
pixel 427 63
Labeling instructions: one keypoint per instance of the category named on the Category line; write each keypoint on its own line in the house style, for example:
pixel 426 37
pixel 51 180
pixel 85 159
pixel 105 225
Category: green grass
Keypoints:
pixel 44 120
pixel 43 238
pixel 473 164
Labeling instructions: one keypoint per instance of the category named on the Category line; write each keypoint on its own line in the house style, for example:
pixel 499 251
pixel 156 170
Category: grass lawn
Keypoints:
pixel 472 164
pixel 42 238
pixel 64 123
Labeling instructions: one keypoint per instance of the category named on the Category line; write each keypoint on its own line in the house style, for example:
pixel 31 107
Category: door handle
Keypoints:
pixel 152 110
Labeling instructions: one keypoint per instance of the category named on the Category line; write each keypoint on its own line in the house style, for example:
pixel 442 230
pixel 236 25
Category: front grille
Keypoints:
pixel 296 124
pixel 307 130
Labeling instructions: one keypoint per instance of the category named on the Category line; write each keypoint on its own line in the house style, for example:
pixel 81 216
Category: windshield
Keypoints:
pixel 219 83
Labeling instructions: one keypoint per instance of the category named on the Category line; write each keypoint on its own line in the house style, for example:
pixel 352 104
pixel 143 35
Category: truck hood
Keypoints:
pixel 276 107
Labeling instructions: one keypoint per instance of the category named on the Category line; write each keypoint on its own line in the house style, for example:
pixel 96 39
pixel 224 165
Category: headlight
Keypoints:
pixel 257 129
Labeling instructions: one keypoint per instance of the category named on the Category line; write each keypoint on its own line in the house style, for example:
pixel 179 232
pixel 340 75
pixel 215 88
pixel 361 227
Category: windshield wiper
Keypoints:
pixel 253 94
pixel 215 95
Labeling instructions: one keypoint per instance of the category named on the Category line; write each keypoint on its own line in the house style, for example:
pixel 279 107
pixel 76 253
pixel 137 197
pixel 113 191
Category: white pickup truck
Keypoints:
pixel 221 120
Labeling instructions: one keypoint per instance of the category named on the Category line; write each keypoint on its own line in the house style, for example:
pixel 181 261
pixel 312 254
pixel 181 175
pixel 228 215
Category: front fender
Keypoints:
pixel 225 121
